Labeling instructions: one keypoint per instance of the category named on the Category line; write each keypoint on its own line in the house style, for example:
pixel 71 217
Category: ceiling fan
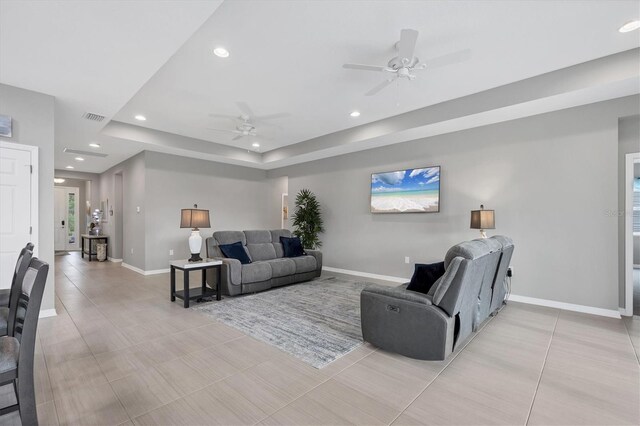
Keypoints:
pixel 405 64
pixel 247 120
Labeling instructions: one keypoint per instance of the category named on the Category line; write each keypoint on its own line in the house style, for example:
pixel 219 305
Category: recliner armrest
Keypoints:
pixel 399 292
pixel 232 269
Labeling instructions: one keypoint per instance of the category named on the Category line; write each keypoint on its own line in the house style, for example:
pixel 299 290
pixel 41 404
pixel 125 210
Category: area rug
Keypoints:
pixel 317 322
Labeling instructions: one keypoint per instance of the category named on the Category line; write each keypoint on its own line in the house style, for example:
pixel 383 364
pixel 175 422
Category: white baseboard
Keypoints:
pixel 625 312
pixel 366 275
pixel 47 313
pixel 143 272
pixel 111 259
pixel 611 313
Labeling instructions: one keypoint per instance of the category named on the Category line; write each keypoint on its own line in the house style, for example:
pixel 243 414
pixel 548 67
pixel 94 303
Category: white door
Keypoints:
pixel 66 233
pixel 15 209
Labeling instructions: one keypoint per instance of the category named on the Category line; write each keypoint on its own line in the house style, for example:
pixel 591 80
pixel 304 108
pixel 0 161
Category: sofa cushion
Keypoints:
pixel 264 251
pixel 228 237
pixel 424 276
pixel 275 239
pixel 292 247
pixel 282 267
pixel 255 272
pixel 258 236
pixel 235 251
pixel 304 263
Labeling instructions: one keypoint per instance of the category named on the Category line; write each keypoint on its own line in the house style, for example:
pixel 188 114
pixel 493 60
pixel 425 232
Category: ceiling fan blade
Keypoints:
pixel 363 67
pixel 407 44
pixel 245 109
pixel 448 59
pixel 271 116
pixel 223 130
pixel 379 87
pixel 240 136
pixel 230 117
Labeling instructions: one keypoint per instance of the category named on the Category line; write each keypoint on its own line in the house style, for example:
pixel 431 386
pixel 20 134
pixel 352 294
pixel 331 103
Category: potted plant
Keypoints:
pixel 307 220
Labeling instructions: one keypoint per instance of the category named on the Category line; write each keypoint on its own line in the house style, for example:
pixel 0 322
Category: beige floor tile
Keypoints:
pixel 389 378
pixel 349 359
pixel 406 420
pixel 144 391
pixel 118 364
pixel 221 404
pixel 245 352
pixel 66 350
pixel 74 374
pixel 92 405
pixel 177 413
pixel 41 380
pixel 105 340
pixel 47 414
pixel 183 377
pixel 209 364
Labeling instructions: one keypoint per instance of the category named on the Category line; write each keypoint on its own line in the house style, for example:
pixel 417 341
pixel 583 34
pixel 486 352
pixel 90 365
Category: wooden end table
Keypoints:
pixel 195 293
pixel 92 238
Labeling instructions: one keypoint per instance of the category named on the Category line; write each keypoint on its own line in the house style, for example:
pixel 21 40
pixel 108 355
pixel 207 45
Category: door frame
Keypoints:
pixel 34 213
pixel 630 159
pixel 75 190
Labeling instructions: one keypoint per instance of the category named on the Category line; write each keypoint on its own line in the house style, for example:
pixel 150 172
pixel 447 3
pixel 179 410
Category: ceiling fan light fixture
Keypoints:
pixel 140 117
pixel 630 26
pixel 355 114
pixel 221 52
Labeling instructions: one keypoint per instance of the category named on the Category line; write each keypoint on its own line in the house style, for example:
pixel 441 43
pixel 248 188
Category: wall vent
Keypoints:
pixel 93 116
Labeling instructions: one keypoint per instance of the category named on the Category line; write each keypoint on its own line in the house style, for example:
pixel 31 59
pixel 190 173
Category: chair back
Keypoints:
pixel 24 258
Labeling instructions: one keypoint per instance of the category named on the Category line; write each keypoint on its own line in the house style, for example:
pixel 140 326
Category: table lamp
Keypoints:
pixel 483 219
pixel 194 218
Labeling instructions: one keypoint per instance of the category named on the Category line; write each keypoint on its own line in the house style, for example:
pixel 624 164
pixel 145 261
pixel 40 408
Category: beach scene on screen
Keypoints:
pixel 406 191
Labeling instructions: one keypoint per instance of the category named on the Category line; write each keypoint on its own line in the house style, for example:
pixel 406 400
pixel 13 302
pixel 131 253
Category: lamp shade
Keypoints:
pixel 194 218
pixel 483 219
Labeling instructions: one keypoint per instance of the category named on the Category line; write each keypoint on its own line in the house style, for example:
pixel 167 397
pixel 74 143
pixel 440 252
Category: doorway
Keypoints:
pixel 632 234
pixel 66 218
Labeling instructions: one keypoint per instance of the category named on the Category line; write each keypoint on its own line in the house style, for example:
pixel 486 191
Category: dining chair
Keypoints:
pixel 8 306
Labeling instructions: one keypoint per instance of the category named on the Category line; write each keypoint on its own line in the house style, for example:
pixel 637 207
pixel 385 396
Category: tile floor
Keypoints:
pixel 120 353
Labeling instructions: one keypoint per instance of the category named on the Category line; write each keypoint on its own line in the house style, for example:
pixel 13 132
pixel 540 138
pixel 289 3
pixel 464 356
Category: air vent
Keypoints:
pixel 83 153
pixel 93 116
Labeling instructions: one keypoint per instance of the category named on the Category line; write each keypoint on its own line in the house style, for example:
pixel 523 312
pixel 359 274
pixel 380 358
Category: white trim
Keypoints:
pixel 611 313
pixel 143 272
pixel 46 313
pixel 111 259
pixel 366 275
pixel 628 234
pixel 35 195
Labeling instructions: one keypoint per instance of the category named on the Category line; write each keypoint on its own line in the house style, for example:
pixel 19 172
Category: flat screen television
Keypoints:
pixel 406 191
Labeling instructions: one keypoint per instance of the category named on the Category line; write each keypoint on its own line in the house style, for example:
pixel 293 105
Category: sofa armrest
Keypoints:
pixel 318 256
pixel 230 273
pixel 400 292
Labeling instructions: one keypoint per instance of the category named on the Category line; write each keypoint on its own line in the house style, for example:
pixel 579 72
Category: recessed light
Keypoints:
pixel 221 52
pixel 58 180
pixel 140 117
pixel 94 145
pixel 69 167
pixel 79 159
pixel 255 145
pixel 355 114
pixel 630 26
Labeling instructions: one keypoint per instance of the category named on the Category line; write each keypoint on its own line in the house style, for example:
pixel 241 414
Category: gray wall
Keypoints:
pixel 551 178
pixel 129 243
pixel 628 142
pixel 237 198
pixel 33 124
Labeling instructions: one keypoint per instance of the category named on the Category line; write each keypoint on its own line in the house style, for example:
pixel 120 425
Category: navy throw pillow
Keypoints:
pixel 235 251
pixel 292 247
pixel 424 276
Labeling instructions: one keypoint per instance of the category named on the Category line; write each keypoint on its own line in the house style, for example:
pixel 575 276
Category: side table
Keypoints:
pixel 195 293
pixel 92 238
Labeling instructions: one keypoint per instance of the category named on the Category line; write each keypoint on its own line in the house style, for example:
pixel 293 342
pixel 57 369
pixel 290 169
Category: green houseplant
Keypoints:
pixel 307 220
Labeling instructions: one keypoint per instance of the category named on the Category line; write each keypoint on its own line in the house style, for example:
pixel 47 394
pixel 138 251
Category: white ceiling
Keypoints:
pixel 286 56
pixel 92 56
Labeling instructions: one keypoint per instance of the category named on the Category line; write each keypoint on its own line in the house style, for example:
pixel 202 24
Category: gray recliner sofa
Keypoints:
pixel 268 268
pixel 430 326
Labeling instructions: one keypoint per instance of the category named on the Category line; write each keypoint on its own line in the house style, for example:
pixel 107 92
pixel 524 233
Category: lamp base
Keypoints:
pixel 195 257
pixel 195 245
pixel 483 234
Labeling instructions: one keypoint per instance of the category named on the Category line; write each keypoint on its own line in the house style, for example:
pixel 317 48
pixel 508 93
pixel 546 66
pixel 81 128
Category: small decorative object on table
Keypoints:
pixel 195 218
pixel 483 219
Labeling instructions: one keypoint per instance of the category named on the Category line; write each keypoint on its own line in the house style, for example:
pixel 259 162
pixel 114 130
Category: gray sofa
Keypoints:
pixel 268 267
pixel 430 326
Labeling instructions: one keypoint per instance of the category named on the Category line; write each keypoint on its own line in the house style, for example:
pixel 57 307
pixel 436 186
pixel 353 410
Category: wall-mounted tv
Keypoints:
pixel 406 191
